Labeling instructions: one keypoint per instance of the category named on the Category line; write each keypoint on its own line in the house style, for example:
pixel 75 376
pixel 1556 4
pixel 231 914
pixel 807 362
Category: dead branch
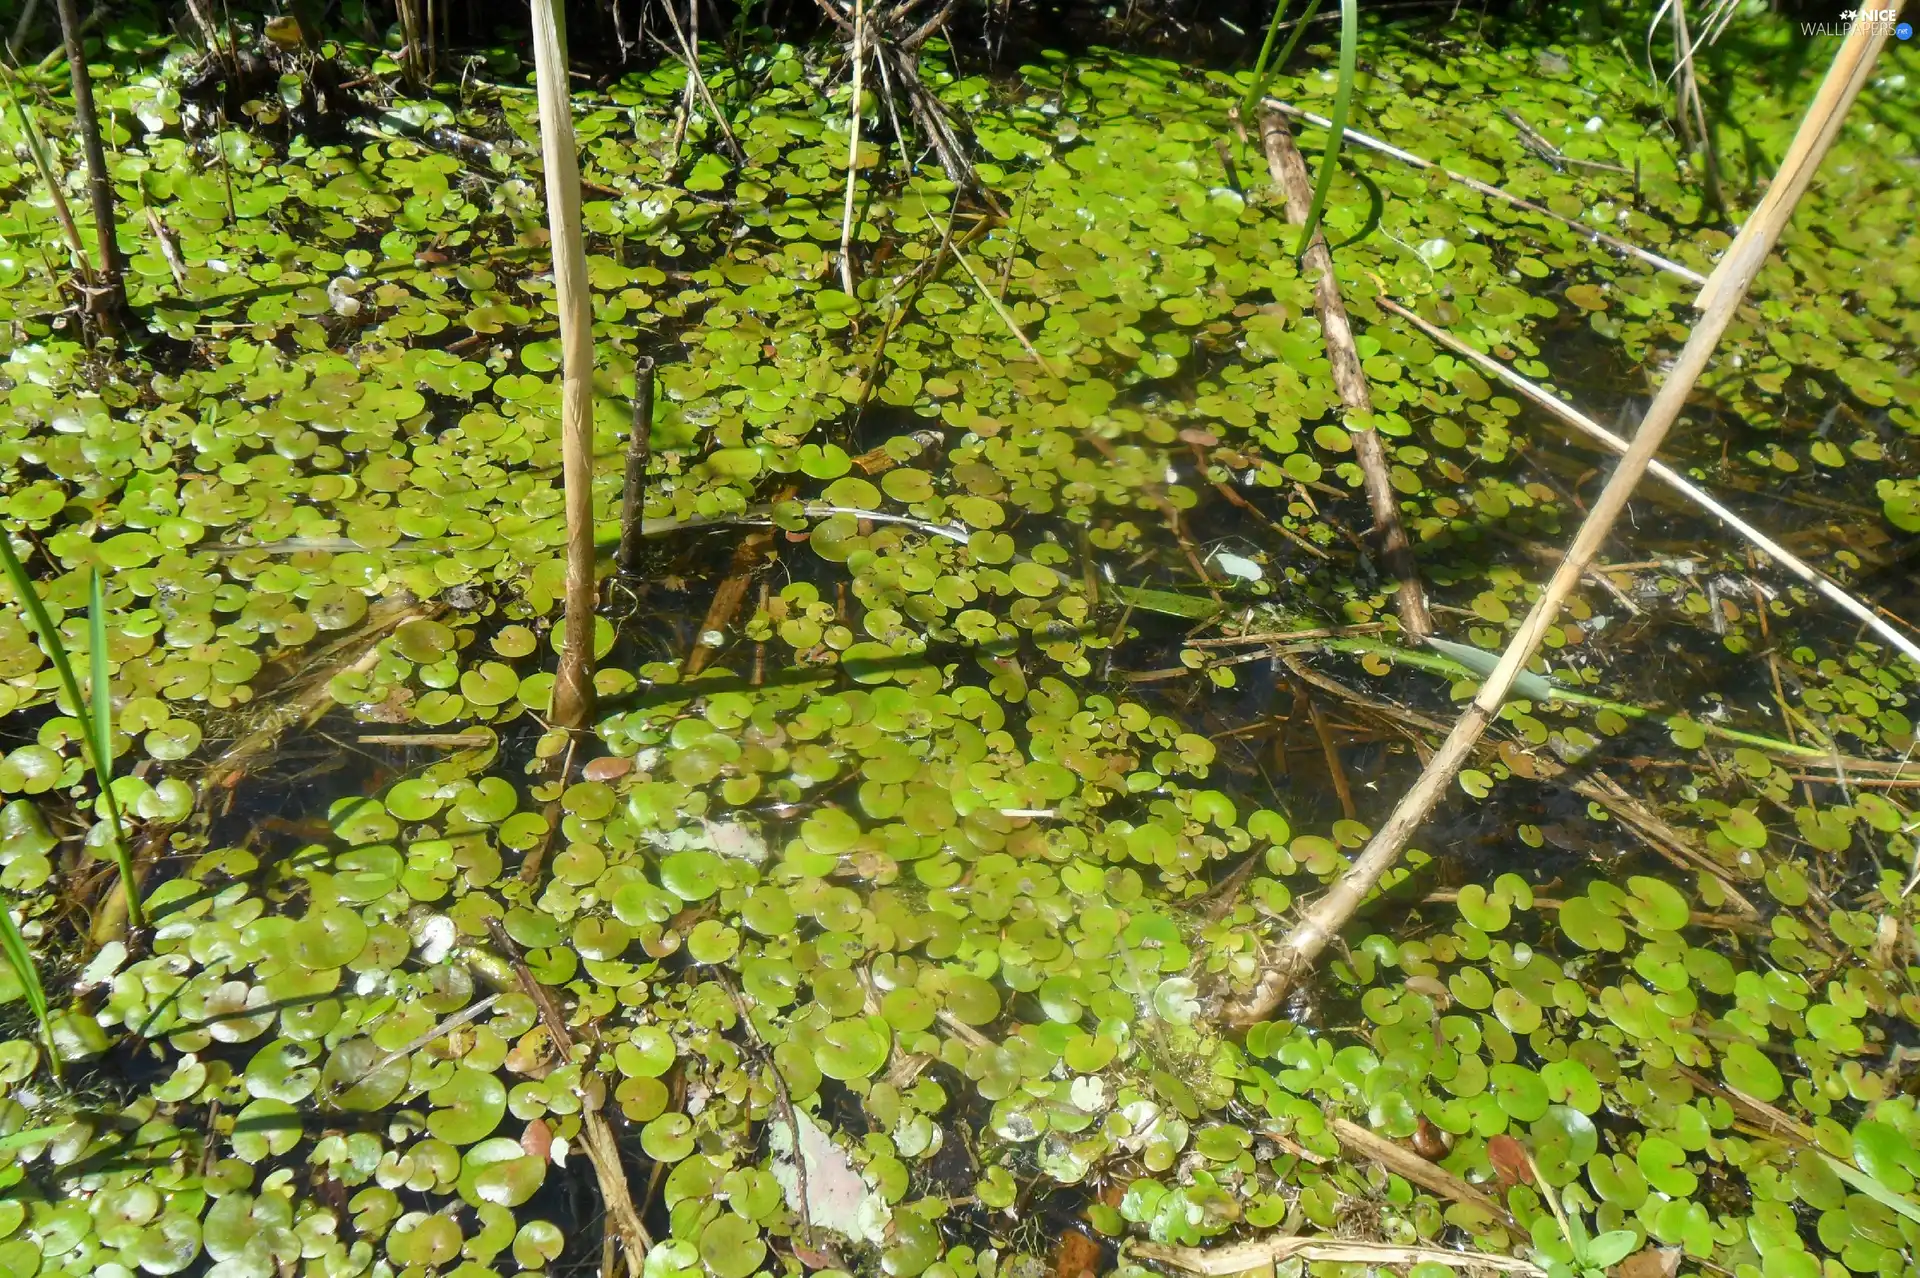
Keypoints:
pixel 1304 943
pixel 1290 172
pixel 1410 1166
pixel 573 683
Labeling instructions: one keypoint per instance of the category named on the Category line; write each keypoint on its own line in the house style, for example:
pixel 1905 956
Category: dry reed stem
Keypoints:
pixel 1302 946
pixel 1289 171
pixel 1667 475
pixel 1493 192
pixel 573 682
pixel 107 296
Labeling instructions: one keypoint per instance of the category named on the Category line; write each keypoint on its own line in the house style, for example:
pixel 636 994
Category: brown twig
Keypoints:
pixel 603 1150
pixel 1411 1167
pixel 1322 921
pixel 1335 770
pixel 1290 172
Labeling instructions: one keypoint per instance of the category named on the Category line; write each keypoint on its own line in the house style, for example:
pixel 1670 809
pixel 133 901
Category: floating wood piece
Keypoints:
pixel 1289 170
pixel 1302 946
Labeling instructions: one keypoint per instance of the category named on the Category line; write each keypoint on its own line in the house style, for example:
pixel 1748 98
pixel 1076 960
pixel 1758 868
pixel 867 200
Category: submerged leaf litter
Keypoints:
pixel 942 867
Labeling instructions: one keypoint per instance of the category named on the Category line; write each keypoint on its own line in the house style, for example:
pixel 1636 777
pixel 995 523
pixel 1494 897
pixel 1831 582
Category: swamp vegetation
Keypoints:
pixel 1000 640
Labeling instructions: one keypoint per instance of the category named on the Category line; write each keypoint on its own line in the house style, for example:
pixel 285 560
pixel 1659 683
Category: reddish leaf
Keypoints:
pixel 1509 1159
pixel 537 1140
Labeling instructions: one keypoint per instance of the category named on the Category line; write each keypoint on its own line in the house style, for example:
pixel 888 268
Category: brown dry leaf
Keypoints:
pixel 537 1140
pixel 1650 1262
pixel 1509 1159
pixel 1076 1256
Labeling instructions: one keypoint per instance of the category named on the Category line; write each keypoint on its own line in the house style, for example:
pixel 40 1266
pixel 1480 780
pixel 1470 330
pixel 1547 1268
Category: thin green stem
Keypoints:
pixel 101 687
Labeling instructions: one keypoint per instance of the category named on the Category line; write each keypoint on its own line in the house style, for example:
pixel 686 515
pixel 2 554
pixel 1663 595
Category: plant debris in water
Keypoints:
pixel 896 936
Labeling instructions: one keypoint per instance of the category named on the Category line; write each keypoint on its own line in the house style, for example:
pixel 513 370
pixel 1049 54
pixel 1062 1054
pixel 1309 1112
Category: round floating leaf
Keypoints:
pixel 852 1049
pixel 1747 1068
pixel 350 1080
pixel 467 1107
pixel 691 876
pixel 731 1246
pixel 668 1138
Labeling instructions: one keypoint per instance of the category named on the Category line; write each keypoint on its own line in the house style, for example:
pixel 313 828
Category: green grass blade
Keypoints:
pixel 1342 99
pixel 14 947
pixel 102 728
pixel 1258 84
pixel 36 612
pixel 92 737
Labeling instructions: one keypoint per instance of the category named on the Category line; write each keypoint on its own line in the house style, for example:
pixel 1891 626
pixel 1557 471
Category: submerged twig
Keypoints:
pixel 1289 170
pixel 314 698
pixel 1667 475
pixel 1493 192
pixel 1303 945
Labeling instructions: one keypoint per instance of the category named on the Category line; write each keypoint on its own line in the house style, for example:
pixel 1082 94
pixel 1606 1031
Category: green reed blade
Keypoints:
pixel 1342 99
pixel 14 947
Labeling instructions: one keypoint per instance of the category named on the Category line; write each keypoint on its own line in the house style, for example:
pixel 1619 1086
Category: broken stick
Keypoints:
pixel 1302 946
pixel 1290 171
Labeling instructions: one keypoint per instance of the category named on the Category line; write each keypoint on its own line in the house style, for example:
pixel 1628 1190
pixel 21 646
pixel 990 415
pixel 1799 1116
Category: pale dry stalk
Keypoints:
pixel 1302 946
pixel 573 683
